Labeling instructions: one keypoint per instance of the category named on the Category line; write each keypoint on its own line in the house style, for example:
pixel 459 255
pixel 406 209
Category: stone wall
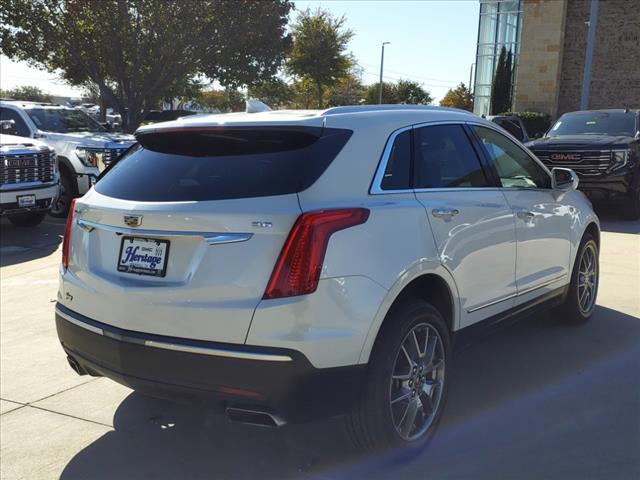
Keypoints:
pixel 615 72
pixel 574 48
pixel 540 61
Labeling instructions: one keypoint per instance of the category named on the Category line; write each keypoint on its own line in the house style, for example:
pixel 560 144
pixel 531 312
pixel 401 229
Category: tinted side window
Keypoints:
pixel 222 163
pixel 21 127
pixel 397 175
pixel 515 168
pixel 444 158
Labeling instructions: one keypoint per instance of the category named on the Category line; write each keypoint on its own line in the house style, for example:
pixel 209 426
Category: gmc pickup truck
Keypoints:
pixel 84 147
pixel 28 178
pixel 603 148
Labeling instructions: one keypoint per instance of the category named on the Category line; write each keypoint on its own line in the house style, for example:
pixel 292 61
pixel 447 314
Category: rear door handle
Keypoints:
pixel 525 215
pixel 445 213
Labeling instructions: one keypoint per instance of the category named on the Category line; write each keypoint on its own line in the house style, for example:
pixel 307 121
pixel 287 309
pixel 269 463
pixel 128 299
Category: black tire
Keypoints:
pixel 25 220
pixel 60 207
pixel 572 310
pixel 632 208
pixel 372 424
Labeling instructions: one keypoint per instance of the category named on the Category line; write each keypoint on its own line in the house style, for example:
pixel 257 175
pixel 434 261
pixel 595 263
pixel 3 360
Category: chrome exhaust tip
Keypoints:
pixel 76 366
pixel 250 416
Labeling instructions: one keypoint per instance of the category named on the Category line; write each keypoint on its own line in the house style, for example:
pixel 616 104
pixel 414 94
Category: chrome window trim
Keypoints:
pixel 215 352
pixel 376 185
pixel 456 189
pixel 212 238
pixel 376 188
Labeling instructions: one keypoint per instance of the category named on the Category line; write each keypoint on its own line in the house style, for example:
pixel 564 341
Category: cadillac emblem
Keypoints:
pixel 133 220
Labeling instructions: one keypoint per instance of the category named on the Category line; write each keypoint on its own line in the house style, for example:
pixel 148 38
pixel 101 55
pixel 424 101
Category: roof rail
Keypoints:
pixel 379 108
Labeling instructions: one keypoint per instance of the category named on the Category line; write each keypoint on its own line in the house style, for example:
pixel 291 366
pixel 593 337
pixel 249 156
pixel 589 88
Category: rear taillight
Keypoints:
pixel 66 241
pixel 298 268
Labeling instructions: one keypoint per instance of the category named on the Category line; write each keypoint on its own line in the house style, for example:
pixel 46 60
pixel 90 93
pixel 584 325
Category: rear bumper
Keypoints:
pixel 276 380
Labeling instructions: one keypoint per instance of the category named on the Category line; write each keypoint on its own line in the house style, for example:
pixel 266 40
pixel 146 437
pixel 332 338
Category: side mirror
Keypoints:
pixel 564 179
pixel 8 127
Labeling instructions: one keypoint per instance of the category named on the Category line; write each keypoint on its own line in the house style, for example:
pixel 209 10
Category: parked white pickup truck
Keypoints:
pixel 28 178
pixel 84 147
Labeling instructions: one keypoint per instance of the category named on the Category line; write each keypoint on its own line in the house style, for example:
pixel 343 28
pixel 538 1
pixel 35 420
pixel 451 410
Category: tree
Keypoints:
pixel 304 93
pixel 275 93
pixel 412 93
pixel 136 50
pixel 389 93
pixel 227 100
pixel 183 89
pixel 405 91
pixel 91 93
pixel 27 93
pixel 319 50
pixel 348 90
pixel 501 89
pixel 509 80
pixel 459 97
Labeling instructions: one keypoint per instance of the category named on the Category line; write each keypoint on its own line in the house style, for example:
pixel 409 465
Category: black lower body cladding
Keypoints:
pixel 294 390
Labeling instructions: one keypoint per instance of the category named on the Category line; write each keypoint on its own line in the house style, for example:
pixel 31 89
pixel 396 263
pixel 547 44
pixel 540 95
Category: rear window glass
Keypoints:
pixel 217 164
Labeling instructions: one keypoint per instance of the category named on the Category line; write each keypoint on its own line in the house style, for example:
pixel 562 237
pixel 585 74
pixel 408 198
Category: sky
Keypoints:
pixel 433 42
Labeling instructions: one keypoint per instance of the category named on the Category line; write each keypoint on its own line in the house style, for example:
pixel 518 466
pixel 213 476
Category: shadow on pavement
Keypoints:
pixel 537 399
pixel 18 245
pixel 612 220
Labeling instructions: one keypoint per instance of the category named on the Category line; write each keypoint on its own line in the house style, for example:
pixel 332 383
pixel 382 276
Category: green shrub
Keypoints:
pixel 536 123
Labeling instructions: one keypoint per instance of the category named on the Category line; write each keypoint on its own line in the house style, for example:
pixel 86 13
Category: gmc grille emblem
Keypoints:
pixel 572 157
pixel 133 220
pixel 20 162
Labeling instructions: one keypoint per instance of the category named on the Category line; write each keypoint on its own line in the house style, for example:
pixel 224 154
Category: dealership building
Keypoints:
pixel 552 42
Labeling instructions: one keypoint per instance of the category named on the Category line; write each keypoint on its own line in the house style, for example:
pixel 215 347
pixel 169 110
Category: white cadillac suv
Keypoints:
pixel 289 265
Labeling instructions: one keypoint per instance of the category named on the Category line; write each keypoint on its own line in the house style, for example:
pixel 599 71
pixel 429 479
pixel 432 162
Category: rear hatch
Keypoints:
pixel 180 237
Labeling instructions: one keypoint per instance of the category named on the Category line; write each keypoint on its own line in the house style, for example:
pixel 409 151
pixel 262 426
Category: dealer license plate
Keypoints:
pixel 144 256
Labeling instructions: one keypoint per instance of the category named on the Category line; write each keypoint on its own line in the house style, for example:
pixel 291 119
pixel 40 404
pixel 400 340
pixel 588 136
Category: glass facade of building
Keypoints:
pixel 500 25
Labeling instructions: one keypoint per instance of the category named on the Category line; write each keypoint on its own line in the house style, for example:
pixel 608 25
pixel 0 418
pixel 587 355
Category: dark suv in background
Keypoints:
pixel 603 148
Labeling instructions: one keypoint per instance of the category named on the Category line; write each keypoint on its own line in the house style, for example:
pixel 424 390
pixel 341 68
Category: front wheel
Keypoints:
pixel 30 219
pixel 60 207
pixel 583 289
pixel 406 386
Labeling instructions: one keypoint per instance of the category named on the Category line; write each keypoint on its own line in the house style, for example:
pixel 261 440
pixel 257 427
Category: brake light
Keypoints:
pixel 298 268
pixel 66 241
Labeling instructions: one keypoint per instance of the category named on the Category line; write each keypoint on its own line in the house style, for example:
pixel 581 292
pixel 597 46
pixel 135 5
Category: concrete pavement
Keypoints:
pixel 536 400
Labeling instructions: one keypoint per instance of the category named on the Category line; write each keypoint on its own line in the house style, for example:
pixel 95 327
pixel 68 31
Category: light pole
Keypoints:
pixel 471 78
pixel 591 40
pixel 381 66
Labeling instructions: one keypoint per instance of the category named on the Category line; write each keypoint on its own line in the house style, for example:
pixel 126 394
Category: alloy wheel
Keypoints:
pixel 417 382
pixel 588 279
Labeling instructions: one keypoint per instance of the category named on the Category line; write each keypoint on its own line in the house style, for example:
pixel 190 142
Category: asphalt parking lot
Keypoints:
pixel 535 400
